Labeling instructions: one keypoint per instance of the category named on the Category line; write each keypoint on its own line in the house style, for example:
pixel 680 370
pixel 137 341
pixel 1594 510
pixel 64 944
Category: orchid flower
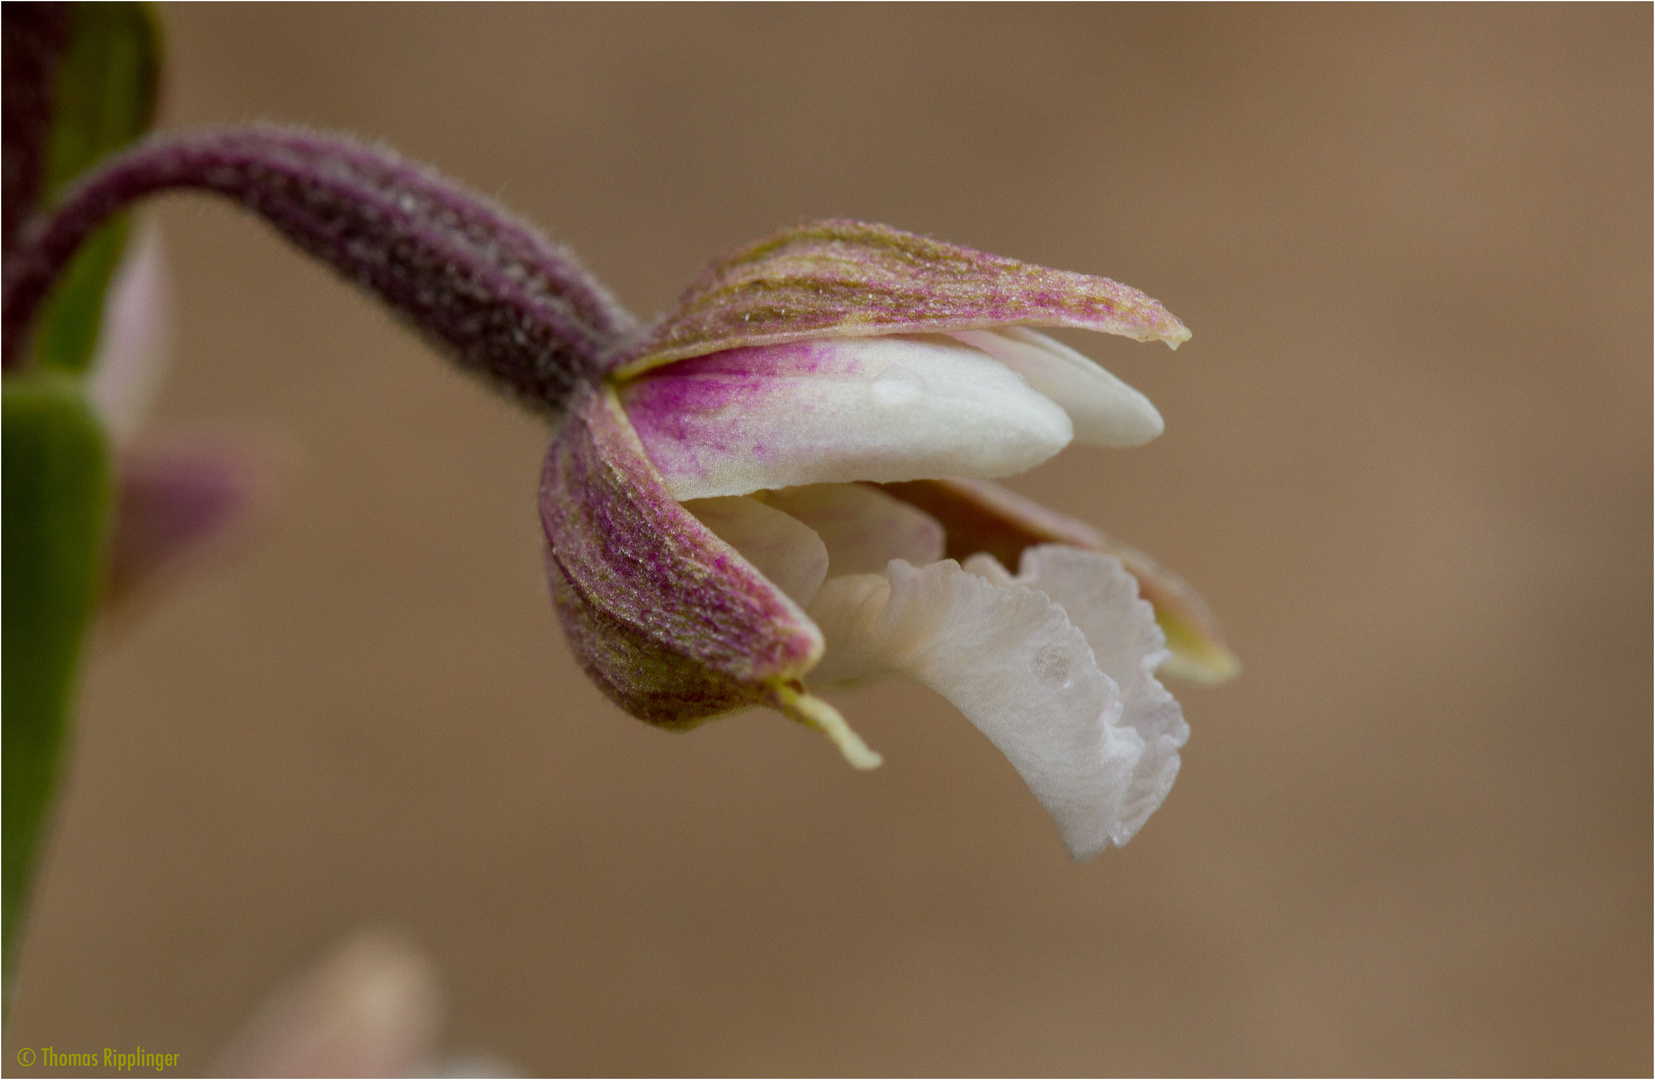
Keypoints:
pixel 781 486
pixel 757 501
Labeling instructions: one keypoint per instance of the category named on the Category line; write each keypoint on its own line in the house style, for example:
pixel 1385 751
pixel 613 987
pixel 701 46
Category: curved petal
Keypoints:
pixel 1105 411
pixel 836 411
pixel 779 546
pixel 1010 660
pixel 850 278
pixel 135 339
pixel 862 528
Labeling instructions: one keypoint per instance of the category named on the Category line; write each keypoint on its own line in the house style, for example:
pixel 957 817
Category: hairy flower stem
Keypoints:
pixel 505 302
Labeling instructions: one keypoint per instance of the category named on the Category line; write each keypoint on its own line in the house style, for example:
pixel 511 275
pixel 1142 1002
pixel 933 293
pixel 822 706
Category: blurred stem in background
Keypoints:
pixel 81 82
pixel 84 513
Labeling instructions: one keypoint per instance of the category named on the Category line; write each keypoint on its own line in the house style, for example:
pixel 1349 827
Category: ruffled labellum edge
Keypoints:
pixel 980 516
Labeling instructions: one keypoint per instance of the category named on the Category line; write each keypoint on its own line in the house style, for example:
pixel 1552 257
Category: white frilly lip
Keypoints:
pixel 1056 666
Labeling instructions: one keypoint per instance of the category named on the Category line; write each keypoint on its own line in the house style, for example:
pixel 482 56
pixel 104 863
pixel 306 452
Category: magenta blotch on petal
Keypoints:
pixel 840 410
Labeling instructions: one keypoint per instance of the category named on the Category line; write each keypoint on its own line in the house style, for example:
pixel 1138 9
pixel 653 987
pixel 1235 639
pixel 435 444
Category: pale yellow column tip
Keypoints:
pixel 816 713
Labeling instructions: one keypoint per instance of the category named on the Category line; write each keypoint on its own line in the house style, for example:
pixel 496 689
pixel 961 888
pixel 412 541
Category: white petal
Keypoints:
pixel 780 548
pixel 135 337
pixel 1013 663
pixel 1102 600
pixel 848 608
pixel 1105 411
pixel 838 410
pixel 863 528
pixel 987 566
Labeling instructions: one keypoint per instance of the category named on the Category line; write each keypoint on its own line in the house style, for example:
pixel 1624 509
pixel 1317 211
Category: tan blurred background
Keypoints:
pixel 1407 459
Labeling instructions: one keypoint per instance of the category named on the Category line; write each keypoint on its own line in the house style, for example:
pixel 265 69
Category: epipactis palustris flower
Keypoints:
pixel 782 486
pixel 779 488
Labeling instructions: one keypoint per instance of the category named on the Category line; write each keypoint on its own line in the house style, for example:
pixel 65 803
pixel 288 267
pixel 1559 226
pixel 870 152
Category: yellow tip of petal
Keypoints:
pixel 816 713
pixel 1197 657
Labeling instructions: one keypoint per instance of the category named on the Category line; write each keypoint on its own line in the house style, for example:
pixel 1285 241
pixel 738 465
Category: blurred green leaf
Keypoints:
pixel 66 336
pixel 105 97
pixel 106 88
pixel 56 499
pixel 56 503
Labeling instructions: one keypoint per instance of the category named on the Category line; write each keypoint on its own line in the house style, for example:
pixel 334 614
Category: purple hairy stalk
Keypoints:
pixel 35 35
pixel 510 305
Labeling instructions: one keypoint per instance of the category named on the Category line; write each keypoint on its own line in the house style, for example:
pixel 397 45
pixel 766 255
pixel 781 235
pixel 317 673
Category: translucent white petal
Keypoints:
pixel 1102 600
pixel 135 337
pixel 837 410
pixel 987 566
pixel 847 609
pixel 863 528
pixel 1012 662
pixel 779 547
pixel 1105 411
